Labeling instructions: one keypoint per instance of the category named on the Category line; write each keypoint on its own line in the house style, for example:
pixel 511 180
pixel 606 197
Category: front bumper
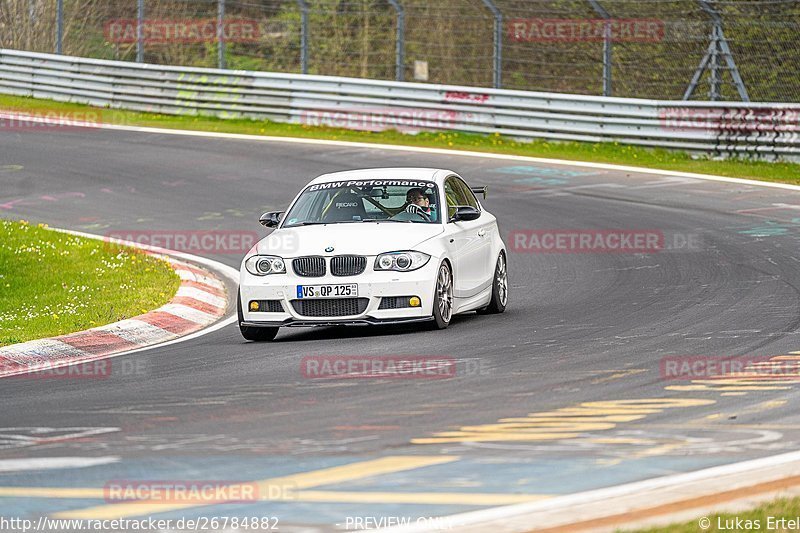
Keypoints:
pixel 305 323
pixel 372 285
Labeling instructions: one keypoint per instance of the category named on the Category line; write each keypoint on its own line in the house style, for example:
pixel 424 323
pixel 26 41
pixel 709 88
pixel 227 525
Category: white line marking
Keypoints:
pixel 568 501
pixel 188 313
pixel 440 151
pixel 42 351
pixel 21 437
pixel 53 463
pixel 138 332
pixel 203 296
pixel 185 275
pixel 188 275
pixel 668 181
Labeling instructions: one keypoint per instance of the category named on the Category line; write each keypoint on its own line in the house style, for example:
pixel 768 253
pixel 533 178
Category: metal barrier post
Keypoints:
pixel 400 40
pixel 59 26
pixel 303 36
pixel 498 43
pixel 600 10
pixel 140 31
pixel 221 33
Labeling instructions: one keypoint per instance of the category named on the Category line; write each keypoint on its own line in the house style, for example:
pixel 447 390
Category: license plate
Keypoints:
pixel 349 290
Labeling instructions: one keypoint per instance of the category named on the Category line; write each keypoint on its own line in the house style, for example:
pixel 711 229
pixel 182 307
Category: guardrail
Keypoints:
pixel 754 129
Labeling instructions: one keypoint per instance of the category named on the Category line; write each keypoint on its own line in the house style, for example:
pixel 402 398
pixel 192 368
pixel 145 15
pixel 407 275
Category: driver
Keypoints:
pixel 418 203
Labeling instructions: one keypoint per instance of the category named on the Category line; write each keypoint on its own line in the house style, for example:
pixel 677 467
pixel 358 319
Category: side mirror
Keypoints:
pixel 465 213
pixel 271 219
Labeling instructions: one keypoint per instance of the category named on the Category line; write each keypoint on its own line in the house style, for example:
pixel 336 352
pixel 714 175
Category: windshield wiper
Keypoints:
pixel 312 223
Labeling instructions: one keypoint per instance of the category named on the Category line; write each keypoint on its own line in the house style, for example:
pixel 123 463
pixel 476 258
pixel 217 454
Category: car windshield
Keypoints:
pixel 360 201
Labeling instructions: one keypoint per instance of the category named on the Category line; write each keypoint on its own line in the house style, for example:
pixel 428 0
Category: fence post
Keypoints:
pixel 221 34
pixel 140 31
pixel 728 55
pixel 60 27
pixel 400 41
pixel 718 46
pixel 714 79
pixel 303 36
pixel 498 43
pixel 607 44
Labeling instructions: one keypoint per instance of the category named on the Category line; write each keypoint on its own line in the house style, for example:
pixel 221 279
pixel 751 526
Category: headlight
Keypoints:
pixel 401 261
pixel 263 265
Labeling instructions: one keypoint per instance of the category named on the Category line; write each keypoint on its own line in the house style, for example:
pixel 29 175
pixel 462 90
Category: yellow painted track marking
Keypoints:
pixel 721 387
pixel 757 408
pixel 566 423
pixel 442 498
pixel 663 449
pixel 765 406
pixel 326 476
pixel 51 492
pixel 619 375
pixel 779 372
pixel 492 437
pixel 576 419
pixel 621 440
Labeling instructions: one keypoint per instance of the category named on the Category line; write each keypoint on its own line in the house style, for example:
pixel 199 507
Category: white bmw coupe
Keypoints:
pixel 376 246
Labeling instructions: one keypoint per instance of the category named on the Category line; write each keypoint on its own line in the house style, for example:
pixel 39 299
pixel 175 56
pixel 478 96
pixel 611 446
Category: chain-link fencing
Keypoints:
pixel 745 50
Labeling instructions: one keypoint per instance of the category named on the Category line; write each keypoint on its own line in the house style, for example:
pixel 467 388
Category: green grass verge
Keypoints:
pixel 52 283
pixel 597 152
pixel 759 520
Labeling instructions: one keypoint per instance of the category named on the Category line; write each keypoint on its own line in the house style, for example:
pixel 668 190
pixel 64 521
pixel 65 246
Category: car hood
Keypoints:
pixel 366 238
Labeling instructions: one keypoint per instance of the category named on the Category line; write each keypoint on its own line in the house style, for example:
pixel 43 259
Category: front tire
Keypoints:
pixel 443 297
pixel 250 333
pixel 499 288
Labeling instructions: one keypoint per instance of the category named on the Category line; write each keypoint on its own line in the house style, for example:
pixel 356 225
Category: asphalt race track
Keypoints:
pixel 580 328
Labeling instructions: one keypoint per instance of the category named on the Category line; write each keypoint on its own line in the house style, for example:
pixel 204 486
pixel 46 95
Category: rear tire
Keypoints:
pixel 499 288
pixel 443 297
pixel 250 333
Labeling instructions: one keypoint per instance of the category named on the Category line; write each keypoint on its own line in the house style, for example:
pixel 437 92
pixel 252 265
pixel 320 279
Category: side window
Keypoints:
pixel 454 193
pixel 468 194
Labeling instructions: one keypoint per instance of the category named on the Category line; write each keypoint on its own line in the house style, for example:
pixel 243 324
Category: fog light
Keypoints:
pixel 254 306
pixel 414 301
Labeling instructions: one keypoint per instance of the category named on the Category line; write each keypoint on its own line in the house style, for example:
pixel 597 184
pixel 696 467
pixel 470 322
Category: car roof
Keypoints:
pixel 435 175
